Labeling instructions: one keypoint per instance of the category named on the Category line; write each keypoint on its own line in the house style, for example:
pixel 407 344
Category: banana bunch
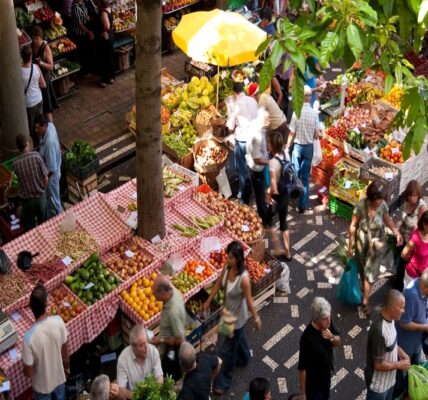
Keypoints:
pixel 55 31
pixel 207 222
pixel 187 231
pixel 372 93
pixel 171 181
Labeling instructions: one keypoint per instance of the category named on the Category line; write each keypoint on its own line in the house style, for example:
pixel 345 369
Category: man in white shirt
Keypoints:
pixel 135 362
pixel 241 114
pixel 303 131
pixel 44 350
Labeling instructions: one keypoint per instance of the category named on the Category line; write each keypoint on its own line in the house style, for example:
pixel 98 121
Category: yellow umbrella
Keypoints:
pixel 218 37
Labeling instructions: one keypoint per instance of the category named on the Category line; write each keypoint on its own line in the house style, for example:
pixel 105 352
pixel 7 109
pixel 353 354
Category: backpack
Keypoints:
pixel 287 181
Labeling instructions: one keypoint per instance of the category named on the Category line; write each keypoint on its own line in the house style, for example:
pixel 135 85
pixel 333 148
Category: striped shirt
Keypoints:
pixel 31 172
pixel 381 346
pixel 305 126
pixel 79 15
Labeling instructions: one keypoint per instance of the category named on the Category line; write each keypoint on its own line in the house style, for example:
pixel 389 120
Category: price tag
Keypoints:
pixel 66 304
pixel 16 316
pixel 267 270
pixel 12 217
pixel 181 188
pixel 376 119
pixel 335 152
pixel 395 150
pixel 246 82
pixel 88 286
pixel 57 66
pixel 348 184
pixel 14 221
pixel 367 150
pixel 15 227
pixel 245 228
pixel 134 196
pixel 356 129
pixel 13 354
pixel 200 269
pixel 156 239
pixel 132 220
pixel 223 74
pixel 389 176
pixel 129 253
pixel 67 261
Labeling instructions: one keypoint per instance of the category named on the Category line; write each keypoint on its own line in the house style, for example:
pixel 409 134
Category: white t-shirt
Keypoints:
pixel 130 371
pixel 41 349
pixel 34 94
pixel 256 148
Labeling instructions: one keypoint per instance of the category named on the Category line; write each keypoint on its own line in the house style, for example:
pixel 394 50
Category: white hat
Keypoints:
pixel 307 90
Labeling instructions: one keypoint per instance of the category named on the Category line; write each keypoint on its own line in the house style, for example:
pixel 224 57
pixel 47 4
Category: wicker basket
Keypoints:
pixel 219 127
pixel 258 247
pixel 204 169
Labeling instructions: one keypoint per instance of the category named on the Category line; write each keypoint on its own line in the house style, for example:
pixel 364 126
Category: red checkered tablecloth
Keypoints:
pixel 121 197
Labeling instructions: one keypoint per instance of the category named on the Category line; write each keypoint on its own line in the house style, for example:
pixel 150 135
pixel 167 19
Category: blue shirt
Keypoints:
pixel 415 311
pixel 50 150
pixel 270 29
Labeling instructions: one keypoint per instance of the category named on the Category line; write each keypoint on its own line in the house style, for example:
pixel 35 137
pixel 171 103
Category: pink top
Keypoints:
pixel 419 259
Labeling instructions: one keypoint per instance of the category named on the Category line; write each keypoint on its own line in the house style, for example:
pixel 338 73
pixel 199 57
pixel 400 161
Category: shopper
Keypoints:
pixel 136 362
pixel 303 132
pixel 235 282
pixel 33 85
pixel 82 35
pixel 277 120
pixel 105 45
pixel 199 372
pixel 284 79
pixel 100 388
pixel 259 390
pixel 412 325
pixel 171 326
pixel 312 80
pixel 266 21
pixel 32 183
pixel 257 162
pixel 44 350
pixel 242 111
pixel 277 201
pixel 42 56
pixel 51 153
pixel 411 210
pixel 384 356
pixel 416 250
pixel 367 237
pixel 316 361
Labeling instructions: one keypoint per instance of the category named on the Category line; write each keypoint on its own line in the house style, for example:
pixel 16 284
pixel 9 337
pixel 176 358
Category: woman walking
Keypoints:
pixel 235 282
pixel 105 46
pixel 367 233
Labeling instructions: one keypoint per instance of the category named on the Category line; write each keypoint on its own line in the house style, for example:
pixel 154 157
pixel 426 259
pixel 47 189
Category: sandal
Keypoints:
pixel 218 392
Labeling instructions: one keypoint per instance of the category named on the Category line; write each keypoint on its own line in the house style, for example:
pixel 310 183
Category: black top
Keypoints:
pixel 197 383
pixel 316 356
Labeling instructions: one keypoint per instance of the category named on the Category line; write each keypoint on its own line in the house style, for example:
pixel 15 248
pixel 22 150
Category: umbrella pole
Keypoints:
pixel 218 85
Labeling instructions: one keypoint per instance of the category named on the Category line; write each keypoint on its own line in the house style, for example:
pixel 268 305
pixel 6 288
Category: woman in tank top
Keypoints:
pixel 235 282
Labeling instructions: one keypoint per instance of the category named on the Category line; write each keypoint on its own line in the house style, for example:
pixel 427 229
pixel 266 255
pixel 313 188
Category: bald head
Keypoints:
pixel 393 297
pixel 187 355
pixel 162 288
pixel 394 305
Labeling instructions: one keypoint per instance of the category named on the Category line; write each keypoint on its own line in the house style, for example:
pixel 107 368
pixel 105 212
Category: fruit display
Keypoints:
pixel 356 117
pixel 394 96
pixel 362 92
pixel 172 181
pixel 210 154
pixel 393 152
pixel 64 304
pixel 92 281
pixel 195 306
pixel 172 5
pixel 185 230
pixel 256 270
pixel 141 299
pixel 204 117
pixel 219 297
pixel 62 46
pixel 355 139
pixel 197 94
pixel 181 117
pixel 23 38
pixel 384 172
pixel 337 132
pixel 44 13
pixel 198 269
pixel 55 31
pixel 375 130
pixel 207 222
pixel 331 90
pixel 349 77
pixel 184 282
pixel 124 20
pixel 128 259
pixel 218 258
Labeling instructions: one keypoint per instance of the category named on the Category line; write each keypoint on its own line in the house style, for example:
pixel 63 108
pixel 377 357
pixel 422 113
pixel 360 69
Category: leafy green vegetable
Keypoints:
pixel 23 19
pixel 80 154
pixel 149 389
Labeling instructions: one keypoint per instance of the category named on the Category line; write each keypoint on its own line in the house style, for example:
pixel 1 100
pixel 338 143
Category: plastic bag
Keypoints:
pixel 69 222
pixel 317 156
pixel 4 263
pixel 418 382
pixel 283 283
pixel 348 291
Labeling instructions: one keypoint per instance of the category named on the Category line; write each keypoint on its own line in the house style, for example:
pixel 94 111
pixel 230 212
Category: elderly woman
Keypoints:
pixel 367 233
pixel 316 352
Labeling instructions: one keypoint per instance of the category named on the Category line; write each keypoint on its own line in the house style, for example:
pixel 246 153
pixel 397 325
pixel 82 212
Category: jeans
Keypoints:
pixel 54 198
pixel 380 396
pixel 241 168
pixel 302 160
pixel 33 212
pixel 234 351
pixel 57 394
pixel 258 183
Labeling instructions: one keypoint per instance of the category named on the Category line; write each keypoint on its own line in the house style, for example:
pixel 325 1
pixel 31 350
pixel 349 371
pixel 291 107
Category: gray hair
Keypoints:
pixel 187 356
pixel 424 278
pixel 320 308
pixel 137 331
pixel 100 387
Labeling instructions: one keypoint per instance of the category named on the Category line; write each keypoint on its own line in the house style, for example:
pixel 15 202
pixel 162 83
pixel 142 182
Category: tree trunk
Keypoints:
pixel 150 199
pixel 13 114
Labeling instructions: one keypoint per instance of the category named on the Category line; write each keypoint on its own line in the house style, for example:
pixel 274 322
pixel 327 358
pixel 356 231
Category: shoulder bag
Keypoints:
pixel 29 80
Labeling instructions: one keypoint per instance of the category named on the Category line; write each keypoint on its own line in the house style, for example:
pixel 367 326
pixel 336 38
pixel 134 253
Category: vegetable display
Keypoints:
pixel 45 272
pixel 172 181
pixel 23 18
pixel 393 152
pixel 211 154
pixel 64 304
pixel 80 154
pixel 12 289
pixel 355 139
pixel 198 269
pixel 76 244
pixel 150 389
pixel 218 258
pixel 384 172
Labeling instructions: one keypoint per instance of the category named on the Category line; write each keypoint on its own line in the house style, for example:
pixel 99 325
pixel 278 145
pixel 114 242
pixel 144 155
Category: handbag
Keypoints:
pixel 418 382
pixel 226 325
pixel 348 290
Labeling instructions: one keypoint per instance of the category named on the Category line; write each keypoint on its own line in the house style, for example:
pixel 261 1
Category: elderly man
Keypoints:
pixel 303 132
pixel 316 362
pixel 384 356
pixel 44 350
pixel 51 153
pixel 199 373
pixel 135 362
pixel 171 326
pixel 100 388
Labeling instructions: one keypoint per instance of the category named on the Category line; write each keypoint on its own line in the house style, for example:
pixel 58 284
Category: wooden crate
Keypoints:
pixel 78 189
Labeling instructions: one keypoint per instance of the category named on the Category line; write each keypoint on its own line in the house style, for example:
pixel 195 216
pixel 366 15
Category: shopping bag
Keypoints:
pixel 418 382
pixel 348 291
pixel 317 155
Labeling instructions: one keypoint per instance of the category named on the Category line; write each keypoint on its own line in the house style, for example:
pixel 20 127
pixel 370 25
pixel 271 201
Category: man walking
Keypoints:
pixel 384 356
pixel 44 350
pixel 303 131
pixel 242 112
pixel 51 154
pixel 32 182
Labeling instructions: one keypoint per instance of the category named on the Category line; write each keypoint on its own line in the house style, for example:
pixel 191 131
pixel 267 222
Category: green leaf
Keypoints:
pixel 311 49
pixel 419 134
pixel 290 46
pixel 367 14
pixel 311 5
pixel 297 93
pixel 414 5
pixel 306 34
pixel 325 16
pixel 328 45
pixel 407 63
pixel 276 55
pixel 299 61
pixel 389 81
pixel 393 19
pixel 354 40
pixel 265 75
pixel 388 6
pixel 405 21
pixel 263 46
pixel 296 4
pixel 368 60
pixel 407 144
pixel 398 73
pixel 384 60
pixel 287 65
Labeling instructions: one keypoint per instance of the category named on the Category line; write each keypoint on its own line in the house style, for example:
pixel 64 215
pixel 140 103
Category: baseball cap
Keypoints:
pixel 253 89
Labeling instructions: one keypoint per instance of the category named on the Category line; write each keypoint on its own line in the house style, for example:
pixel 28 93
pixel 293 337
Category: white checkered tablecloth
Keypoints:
pixel 122 196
